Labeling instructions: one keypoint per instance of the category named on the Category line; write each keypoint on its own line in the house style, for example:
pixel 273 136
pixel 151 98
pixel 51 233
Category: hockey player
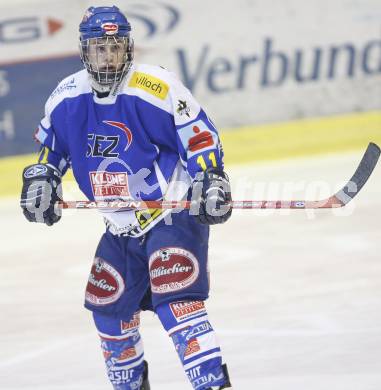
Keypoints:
pixel 132 131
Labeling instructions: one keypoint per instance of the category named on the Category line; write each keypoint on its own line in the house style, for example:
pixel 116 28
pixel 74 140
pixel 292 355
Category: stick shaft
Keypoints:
pixel 332 202
pixel 340 199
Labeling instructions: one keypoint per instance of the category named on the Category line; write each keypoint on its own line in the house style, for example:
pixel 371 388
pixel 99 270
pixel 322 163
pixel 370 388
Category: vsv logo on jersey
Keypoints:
pixel 105 145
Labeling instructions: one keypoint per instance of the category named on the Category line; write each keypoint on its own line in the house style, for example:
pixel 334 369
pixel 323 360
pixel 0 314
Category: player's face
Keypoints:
pixel 107 54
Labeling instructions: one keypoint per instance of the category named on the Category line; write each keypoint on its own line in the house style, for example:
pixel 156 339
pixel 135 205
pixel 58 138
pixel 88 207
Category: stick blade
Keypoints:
pixel 362 174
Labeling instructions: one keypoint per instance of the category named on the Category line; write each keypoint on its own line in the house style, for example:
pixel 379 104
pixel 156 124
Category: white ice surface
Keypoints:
pixel 295 299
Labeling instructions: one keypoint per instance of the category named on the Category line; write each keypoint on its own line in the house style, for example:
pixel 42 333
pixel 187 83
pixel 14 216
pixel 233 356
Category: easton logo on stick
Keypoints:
pixel 340 199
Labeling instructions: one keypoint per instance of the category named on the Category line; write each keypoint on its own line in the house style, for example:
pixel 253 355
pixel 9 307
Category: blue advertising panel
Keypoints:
pixel 24 89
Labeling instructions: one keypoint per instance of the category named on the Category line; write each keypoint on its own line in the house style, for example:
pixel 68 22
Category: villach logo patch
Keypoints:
pixel 153 19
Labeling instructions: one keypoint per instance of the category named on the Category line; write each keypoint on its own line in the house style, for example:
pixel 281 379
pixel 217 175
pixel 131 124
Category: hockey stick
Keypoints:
pixel 340 199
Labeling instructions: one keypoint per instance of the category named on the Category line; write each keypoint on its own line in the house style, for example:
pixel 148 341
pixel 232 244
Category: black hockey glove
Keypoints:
pixel 211 195
pixel 41 190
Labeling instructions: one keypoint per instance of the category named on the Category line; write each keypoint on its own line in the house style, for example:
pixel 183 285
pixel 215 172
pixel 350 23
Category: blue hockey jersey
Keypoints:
pixel 146 140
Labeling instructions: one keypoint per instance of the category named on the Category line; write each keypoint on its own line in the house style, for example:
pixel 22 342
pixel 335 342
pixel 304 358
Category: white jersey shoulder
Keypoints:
pixel 161 88
pixel 71 86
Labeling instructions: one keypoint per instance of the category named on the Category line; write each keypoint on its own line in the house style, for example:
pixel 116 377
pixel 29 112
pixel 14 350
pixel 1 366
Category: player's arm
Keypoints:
pixel 201 152
pixel 42 181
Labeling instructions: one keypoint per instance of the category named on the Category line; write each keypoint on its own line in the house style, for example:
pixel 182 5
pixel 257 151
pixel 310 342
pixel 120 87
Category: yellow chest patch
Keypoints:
pixel 150 84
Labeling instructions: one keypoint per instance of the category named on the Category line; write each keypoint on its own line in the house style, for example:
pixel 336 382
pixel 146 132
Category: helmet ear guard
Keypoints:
pixel 106 30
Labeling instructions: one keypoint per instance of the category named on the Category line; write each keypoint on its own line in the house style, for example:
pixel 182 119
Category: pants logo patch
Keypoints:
pixel 172 269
